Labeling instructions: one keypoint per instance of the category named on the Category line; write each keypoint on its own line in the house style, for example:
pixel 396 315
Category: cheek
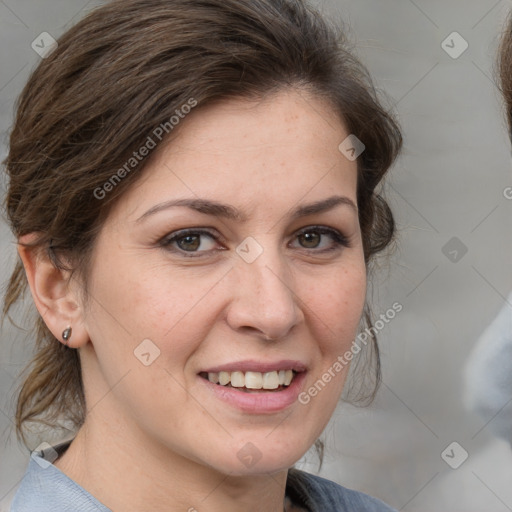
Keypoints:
pixel 131 303
pixel 337 302
pixel 129 306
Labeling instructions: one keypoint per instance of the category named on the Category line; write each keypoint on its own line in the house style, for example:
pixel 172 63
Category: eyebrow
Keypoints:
pixel 229 212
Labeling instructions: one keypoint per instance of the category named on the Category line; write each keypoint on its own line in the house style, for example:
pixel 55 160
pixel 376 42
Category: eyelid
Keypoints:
pixel 336 235
pixel 166 241
pixel 339 239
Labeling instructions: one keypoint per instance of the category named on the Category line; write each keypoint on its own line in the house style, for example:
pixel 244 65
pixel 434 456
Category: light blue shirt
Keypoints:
pixel 45 488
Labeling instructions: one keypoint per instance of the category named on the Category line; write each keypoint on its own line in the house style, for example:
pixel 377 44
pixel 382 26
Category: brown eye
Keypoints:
pixel 189 241
pixel 310 239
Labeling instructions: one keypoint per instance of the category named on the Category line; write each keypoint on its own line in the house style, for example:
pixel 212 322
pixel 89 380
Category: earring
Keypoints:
pixel 66 334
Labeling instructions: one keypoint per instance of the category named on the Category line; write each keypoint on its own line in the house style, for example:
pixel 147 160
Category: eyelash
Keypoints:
pixel 339 240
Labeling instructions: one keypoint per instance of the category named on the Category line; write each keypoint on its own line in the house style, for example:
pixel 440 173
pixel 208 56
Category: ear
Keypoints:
pixel 54 294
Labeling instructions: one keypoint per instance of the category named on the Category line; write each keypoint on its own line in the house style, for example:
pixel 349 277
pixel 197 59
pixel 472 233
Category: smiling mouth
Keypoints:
pixel 252 382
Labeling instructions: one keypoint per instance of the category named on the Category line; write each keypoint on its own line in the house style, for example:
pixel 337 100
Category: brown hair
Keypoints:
pixel 121 72
pixel 504 69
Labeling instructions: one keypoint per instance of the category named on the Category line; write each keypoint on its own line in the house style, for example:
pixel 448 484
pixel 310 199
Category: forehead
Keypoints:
pixel 287 118
pixel 275 151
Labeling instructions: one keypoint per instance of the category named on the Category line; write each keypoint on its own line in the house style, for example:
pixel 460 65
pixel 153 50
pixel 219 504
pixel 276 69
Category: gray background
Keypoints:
pixel 448 183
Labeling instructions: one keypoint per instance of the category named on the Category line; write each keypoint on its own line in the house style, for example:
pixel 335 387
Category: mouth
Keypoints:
pixel 252 382
pixel 256 387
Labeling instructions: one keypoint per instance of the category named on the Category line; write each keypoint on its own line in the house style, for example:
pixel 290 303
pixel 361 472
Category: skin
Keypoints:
pixel 154 437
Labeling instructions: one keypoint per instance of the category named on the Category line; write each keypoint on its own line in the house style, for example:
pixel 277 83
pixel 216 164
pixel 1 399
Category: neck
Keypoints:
pixel 124 473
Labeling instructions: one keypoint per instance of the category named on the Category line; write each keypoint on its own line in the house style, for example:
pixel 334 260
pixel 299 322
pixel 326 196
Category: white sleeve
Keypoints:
pixel 488 374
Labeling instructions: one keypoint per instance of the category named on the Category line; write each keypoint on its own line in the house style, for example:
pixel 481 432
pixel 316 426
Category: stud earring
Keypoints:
pixel 66 334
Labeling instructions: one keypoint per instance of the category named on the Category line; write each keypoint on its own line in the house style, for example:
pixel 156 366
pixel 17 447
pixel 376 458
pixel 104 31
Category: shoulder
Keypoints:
pixel 487 375
pixel 320 494
pixel 47 489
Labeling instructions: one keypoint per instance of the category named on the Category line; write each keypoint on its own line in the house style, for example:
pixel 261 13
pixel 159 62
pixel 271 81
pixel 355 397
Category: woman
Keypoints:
pixel 192 184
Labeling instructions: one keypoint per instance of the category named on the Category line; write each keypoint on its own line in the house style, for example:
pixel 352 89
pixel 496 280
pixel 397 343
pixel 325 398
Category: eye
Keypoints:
pixel 189 241
pixel 194 242
pixel 311 238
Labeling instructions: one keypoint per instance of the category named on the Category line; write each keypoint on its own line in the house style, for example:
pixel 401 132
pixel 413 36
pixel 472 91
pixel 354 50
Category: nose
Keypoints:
pixel 264 301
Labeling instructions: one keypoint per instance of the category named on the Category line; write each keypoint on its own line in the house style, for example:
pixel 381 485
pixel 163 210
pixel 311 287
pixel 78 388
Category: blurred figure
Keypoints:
pixel 488 374
pixel 488 371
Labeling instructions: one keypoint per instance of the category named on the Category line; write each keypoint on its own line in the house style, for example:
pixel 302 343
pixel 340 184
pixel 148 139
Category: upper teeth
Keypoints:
pixel 253 380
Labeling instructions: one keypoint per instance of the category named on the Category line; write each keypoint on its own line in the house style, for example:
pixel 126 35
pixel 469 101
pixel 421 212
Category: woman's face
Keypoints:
pixel 182 294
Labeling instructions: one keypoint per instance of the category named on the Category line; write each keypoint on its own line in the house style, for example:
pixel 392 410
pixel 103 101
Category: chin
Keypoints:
pixel 255 458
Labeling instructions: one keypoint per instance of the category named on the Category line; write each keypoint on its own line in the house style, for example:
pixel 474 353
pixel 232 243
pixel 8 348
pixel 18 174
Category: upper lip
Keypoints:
pixel 258 366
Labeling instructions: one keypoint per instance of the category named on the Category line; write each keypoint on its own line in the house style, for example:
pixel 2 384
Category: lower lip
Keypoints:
pixel 260 402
